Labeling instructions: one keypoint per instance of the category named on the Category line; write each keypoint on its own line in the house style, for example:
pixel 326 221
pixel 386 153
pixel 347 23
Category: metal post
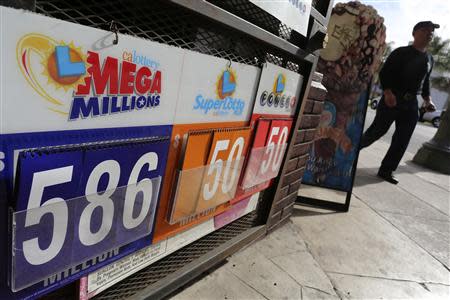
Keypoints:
pixel 435 154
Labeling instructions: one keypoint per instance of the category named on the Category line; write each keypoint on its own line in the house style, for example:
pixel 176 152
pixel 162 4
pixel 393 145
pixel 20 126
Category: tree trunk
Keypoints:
pixel 435 154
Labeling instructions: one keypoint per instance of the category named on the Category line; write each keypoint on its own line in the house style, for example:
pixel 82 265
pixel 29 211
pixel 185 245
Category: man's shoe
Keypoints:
pixel 387 176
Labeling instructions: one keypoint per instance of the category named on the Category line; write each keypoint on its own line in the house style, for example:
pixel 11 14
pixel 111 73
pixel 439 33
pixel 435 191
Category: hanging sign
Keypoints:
pixel 215 94
pixel 272 117
pixel 278 92
pixel 293 13
pixel 215 90
pixel 67 84
pixel 83 201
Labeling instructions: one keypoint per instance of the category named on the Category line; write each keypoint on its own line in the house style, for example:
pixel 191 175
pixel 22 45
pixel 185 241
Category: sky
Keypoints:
pixel 400 16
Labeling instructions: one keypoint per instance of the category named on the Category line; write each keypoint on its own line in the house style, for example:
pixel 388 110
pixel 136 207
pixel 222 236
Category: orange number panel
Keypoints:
pixel 164 227
pixel 223 167
pixel 196 146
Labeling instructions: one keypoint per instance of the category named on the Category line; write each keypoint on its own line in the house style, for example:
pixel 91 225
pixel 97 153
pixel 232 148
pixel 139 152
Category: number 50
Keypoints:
pixel 273 152
pixel 216 166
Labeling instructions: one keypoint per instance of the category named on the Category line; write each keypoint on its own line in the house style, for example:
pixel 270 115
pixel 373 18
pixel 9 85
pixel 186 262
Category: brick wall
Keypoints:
pixel 298 153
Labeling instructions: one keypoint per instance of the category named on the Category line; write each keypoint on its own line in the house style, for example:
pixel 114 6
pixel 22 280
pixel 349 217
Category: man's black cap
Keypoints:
pixel 425 24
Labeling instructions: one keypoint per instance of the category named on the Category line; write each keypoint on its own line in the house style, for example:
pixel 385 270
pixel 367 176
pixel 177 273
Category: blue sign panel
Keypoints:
pixel 78 207
pixel 68 218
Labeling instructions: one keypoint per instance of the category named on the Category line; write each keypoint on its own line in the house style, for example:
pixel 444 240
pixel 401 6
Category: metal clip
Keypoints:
pixel 114 29
pixel 229 64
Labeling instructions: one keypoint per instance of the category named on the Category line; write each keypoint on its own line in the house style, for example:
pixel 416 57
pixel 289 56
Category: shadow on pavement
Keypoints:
pixel 366 176
pixel 413 167
pixel 305 211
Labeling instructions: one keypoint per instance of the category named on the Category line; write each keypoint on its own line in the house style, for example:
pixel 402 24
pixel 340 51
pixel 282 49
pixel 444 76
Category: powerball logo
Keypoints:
pixel 277 97
pixel 81 85
pixel 223 103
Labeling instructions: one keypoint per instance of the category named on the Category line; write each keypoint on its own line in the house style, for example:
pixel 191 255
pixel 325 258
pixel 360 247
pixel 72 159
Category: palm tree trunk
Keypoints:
pixel 435 154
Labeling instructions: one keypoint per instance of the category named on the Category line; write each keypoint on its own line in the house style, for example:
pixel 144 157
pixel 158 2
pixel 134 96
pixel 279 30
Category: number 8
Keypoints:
pixel 87 237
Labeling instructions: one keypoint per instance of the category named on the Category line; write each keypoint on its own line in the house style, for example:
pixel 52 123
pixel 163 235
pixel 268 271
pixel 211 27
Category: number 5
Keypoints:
pixel 215 164
pixel 275 151
pixel 269 150
pixel 55 206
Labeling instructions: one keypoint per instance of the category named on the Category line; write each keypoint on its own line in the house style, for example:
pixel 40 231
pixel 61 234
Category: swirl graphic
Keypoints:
pixel 45 48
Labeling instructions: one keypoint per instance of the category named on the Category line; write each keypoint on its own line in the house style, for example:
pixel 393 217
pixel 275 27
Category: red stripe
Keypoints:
pixel 24 62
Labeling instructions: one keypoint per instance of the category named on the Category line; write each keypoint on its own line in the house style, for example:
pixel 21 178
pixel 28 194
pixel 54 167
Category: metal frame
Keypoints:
pixel 318 16
pixel 185 274
pixel 223 17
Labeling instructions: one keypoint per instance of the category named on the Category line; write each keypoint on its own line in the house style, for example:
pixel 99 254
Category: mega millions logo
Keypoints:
pixel 82 85
pixel 224 103
pixel 277 97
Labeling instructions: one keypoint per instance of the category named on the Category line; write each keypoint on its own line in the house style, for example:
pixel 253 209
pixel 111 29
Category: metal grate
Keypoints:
pixel 164 22
pixel 177 260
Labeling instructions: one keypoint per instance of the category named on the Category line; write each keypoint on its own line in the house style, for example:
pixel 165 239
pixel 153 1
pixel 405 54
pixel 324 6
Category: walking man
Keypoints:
pixel 405 74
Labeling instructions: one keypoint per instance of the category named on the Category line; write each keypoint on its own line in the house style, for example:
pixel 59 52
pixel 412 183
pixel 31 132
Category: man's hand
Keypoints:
pixel 389 98
pixel 428 104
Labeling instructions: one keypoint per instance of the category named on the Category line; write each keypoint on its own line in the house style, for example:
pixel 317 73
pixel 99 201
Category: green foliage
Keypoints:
pixel 440 49
pixel 376 77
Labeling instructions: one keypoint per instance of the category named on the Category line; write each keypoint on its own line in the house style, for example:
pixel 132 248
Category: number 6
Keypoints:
pixel 145 186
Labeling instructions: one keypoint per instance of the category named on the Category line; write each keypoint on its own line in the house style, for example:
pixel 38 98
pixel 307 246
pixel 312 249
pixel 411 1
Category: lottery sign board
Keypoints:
pixel 68 86
pixel 275 105
pixel 215 94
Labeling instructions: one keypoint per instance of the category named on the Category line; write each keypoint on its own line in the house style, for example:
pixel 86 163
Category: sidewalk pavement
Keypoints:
pixel 393 243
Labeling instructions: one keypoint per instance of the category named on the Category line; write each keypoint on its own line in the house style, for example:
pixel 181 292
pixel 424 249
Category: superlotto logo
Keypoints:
pixel 82 85
pixel 223 103
pixel 277 97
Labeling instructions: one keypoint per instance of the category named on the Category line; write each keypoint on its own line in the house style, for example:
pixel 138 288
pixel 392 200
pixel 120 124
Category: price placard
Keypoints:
pixel 211 168
pixel 268 149
pixel 276 99
pixel 225 162
pixel 275 148
pixel 76 202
